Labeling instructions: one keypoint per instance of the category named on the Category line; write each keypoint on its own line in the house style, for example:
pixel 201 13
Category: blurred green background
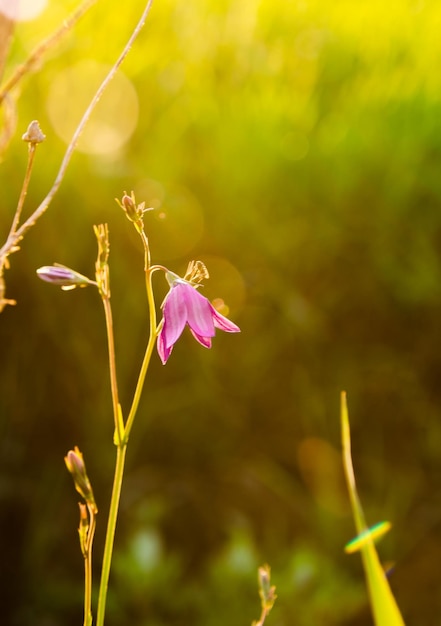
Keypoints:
pixel 295 148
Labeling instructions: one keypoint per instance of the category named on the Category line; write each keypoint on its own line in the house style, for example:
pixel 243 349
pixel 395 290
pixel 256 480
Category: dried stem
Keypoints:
pixel 9 122
pixel 112 363
pixel 8 103
pixel 14 239
pixel 16 220
pixel 6 30
pixel 43 47
pixel 24 189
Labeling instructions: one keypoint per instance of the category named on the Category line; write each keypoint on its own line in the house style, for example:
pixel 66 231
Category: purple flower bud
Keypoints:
pixel 133 211
pixel 184 305
pixel 63 276
pixel 75 464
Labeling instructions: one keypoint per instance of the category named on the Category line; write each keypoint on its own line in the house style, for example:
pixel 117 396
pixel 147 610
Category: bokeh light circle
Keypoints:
pixel 225 287
pixel 22 10
pixel 114 118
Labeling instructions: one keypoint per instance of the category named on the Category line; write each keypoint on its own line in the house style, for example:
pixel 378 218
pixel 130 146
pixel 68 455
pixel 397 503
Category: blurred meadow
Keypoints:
pixel 294 147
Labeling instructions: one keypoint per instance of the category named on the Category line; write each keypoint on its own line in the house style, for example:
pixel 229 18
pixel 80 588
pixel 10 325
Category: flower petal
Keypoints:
pixel 175 316
pixel 204 341
pixel 163 351
pixel 223 323
pixel 199 316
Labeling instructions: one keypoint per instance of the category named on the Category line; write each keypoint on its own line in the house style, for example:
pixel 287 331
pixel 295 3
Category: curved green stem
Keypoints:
pixel 147 356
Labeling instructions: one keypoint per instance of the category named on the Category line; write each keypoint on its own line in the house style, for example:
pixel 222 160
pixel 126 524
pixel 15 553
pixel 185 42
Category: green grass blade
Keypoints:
pixel 384 607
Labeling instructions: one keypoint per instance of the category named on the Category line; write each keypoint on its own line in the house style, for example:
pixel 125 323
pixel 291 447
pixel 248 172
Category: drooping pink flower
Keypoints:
pixel 184 305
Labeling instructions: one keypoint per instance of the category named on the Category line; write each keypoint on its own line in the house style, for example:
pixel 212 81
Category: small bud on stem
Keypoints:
pixel 76 466
pixel 34 134
pixel 267 593
pixel 63 276
pixel 134 212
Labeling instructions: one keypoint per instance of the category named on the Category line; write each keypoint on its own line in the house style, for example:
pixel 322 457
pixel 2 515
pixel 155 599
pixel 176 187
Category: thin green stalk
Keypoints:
pixel 88 570
pixel 102 279
pixel 122 442
pixel 122 432
pixel 110 534
pixel 262 618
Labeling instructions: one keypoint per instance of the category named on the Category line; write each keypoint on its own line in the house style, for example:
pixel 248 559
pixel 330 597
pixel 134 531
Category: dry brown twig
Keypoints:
pixel 16 234
pixel 6 29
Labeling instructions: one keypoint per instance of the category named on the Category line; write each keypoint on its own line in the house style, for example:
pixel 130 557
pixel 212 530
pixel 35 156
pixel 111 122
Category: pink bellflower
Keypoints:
pixel 184 305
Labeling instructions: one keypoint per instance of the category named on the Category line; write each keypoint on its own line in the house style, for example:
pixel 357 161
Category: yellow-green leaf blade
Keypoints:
pixel 384 607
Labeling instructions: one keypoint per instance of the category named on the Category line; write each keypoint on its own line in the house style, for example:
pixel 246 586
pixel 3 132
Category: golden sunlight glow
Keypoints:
pixel 21 10
pixel 225 279
pixel 114 119
pixel 178 223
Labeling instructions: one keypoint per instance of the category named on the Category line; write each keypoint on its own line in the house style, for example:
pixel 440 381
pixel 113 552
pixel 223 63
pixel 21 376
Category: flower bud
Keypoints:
pixel 75 464
pixel 63 276
pixel 34 133
pixel 267 592
pixel 133 211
